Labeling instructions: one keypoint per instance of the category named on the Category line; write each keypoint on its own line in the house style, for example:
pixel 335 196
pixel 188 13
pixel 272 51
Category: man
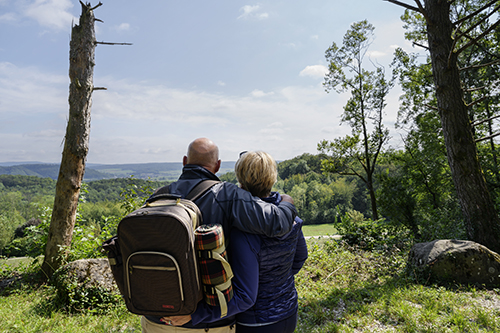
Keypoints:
pixel 226 204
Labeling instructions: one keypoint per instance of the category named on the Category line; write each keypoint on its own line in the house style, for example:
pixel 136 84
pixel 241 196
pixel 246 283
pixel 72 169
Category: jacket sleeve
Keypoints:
pixel 242 252
pixel 253 215
pixel 301 252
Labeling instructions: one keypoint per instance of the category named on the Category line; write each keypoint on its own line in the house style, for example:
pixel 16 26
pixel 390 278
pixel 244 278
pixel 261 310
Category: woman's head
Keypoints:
pixel 256 172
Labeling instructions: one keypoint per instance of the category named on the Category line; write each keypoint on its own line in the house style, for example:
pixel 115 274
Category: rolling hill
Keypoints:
pixel 156 171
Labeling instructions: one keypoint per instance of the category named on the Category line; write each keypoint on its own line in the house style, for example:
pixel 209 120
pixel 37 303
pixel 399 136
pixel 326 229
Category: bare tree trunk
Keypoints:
pixel 482 221
pixel 76 145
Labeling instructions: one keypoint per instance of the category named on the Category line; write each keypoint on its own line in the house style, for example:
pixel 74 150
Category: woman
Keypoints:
pixel 278 259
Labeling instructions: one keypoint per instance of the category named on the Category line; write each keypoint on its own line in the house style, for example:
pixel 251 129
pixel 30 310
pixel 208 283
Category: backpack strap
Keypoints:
pixel 201 188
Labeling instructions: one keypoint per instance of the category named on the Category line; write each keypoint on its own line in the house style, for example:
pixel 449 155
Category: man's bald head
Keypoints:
pixel 203 152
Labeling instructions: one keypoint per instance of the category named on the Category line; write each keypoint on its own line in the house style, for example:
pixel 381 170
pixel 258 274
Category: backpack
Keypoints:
pixel 153 257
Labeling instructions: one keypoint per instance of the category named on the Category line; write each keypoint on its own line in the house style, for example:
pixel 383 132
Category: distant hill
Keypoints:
pixel 154 171
pixel 47 170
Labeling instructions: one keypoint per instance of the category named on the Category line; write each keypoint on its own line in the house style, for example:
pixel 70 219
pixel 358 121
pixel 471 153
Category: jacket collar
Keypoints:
pixel 192 171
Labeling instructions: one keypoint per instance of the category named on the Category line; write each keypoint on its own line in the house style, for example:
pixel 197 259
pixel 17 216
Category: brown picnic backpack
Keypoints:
pixel 153 256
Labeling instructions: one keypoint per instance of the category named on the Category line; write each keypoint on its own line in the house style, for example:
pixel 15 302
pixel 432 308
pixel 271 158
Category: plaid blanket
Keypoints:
pixel 215 271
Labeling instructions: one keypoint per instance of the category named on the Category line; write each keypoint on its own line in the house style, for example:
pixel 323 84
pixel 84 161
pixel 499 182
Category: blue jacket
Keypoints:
pixel 231 206
pixel 263 282
pixel 279 259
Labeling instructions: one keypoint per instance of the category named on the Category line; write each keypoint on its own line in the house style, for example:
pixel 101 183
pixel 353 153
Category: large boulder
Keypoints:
pixel 91 273
pixel 85 284
pixel 458 261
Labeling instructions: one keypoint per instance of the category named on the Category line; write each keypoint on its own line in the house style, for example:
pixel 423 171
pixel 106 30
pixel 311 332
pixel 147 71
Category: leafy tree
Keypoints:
pixel 449 30
pixel 357 154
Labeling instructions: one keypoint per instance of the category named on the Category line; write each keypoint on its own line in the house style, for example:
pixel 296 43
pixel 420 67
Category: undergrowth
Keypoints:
pixel 342 288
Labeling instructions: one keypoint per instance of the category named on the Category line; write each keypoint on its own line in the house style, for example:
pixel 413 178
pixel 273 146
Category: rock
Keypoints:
pixel 85 284
pixel 459 261
pixel 90 273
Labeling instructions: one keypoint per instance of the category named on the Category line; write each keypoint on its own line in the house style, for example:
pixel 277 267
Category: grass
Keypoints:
pixel 341 289
pixel 319 230
pixel 26 311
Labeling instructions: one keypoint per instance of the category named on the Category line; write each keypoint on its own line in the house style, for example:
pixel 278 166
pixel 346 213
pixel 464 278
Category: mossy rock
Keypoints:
pixel 457 261
pixel 85 285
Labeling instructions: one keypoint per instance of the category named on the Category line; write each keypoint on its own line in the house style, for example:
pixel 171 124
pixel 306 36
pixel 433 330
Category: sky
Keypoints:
pixel 246 74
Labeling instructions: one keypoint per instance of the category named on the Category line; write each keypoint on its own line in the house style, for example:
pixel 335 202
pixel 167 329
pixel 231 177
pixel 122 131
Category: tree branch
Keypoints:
pixel 475 13
pixel 402 4
pixel 476 24
pixel 432 107
pixel 475 40
pixel 477 101
pixel 422 10
pixel 484 120
pixel 98 5
pixel 108 43
pixel 479 66
pixel 475 89
pixel 422 46
pixel 487 137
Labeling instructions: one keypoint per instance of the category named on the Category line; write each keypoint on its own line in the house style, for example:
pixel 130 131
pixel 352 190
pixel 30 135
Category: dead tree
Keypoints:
pixel 481 218
pixel 76 140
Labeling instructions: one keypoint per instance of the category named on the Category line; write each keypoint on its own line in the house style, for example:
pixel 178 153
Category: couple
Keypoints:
pixel 266 246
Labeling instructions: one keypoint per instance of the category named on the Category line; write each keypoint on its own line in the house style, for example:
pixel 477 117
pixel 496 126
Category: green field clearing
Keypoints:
pixel 319 230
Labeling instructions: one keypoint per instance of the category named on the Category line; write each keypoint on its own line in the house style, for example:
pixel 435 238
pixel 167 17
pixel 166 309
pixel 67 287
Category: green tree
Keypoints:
pixel 357 154
pixel 450 31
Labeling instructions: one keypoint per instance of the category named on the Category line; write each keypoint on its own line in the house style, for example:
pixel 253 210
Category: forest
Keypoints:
pixel 320 197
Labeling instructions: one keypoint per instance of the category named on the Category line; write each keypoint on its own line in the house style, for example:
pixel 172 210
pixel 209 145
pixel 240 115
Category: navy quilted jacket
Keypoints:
pixel 279 259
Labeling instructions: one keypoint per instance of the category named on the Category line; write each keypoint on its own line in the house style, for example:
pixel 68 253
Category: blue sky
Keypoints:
pixel 246 74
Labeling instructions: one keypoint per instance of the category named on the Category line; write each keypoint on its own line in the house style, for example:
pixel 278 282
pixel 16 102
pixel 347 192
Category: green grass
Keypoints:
pixel 341 289
pixel 25 311
pixel 319 230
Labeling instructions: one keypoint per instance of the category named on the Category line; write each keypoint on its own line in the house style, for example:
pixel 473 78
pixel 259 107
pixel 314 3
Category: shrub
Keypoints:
pixel 368 234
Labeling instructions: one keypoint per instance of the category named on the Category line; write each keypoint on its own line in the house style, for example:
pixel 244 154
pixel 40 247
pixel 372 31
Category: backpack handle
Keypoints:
pixel 163 196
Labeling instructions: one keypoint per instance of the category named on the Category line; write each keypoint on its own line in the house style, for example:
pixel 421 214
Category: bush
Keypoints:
pixel 368 234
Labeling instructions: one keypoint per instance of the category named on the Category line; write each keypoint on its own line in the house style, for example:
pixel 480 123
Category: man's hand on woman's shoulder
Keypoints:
pixel 287 198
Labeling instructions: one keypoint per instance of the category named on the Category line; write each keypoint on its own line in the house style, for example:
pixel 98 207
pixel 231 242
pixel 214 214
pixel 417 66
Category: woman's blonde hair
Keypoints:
pixel 256 171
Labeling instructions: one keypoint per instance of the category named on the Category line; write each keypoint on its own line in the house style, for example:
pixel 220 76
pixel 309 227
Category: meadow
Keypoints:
pixel 341 289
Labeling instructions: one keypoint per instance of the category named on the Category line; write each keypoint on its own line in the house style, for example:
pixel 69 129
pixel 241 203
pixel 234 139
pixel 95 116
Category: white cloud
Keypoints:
pixel 318 71
pixel 375 54
pixel 52 14
pixel 259 93
pixel 329 129
pixel 8 17
pixel 291 45
pixel 123 27
pixel 221 83
pixel 285 123
pixel 252 12
pixel 28 90
pixel 316 37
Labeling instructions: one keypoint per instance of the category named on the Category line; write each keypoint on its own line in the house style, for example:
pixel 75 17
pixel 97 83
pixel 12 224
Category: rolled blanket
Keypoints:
pixel 215 271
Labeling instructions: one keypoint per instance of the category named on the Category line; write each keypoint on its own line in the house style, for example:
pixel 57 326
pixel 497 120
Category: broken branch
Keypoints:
pixel 108 43
pixel 402 4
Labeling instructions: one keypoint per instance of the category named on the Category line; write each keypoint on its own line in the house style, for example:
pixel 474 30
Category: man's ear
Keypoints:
pixel 217 166
pixel 184 160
